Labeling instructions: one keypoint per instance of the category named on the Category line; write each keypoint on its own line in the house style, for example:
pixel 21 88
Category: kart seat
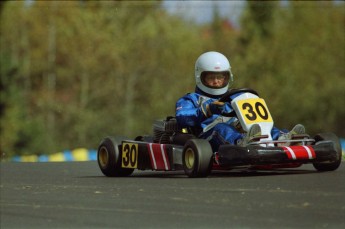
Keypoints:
pixel 181 138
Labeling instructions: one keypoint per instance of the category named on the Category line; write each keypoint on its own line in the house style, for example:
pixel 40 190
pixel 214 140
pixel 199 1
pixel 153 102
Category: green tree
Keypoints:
pixel 297 65
pixel 312 72
pixel 83 70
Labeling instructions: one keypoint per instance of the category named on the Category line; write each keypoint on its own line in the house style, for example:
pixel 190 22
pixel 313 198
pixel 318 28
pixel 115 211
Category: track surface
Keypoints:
pixel 77 195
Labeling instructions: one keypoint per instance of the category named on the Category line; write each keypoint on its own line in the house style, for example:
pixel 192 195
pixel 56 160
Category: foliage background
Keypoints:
pixel 73 72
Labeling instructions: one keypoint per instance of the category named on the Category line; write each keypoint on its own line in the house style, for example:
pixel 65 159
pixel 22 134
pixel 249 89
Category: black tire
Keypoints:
pixel 333 165
pixel 108 157
pixel 197 158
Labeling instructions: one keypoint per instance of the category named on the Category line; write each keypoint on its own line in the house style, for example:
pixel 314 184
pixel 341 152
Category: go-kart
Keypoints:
pixel 173 148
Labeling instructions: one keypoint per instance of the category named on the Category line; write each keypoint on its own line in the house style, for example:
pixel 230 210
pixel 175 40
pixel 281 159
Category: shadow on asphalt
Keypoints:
pixel 215 174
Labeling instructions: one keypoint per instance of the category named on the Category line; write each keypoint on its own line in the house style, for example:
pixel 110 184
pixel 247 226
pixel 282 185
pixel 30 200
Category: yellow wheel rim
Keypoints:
pixel 189 158
pixel 103 157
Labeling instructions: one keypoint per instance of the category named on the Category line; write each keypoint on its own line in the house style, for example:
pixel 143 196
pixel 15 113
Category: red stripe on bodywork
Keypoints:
pixel 152 156
pixel 299 152
pixel 158 156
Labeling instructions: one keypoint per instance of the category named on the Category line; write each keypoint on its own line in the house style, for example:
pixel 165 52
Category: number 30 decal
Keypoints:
pixel 254 110
pixel 129 155
pixel 259 109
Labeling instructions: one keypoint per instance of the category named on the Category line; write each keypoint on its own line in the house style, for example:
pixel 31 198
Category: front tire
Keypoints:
pixel 108 157
pixel 197 158
pixel 332 165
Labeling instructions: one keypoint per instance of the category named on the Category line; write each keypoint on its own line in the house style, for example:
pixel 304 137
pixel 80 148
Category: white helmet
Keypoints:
pixel 212 62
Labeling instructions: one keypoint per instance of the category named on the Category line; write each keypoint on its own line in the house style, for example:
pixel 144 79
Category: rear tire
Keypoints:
pixel 197 158
pixel 332 165
pixel 109 158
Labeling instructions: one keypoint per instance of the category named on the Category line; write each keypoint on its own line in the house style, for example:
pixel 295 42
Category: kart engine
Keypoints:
pixel 164 129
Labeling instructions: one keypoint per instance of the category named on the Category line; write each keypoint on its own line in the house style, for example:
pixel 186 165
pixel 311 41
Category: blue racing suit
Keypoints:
pixel 217 129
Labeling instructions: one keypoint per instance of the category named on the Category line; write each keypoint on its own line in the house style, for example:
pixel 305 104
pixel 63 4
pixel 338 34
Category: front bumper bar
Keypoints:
pixel 230 155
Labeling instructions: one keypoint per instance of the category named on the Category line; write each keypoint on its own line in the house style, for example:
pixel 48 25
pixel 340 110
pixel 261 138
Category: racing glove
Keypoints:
pixel 215 107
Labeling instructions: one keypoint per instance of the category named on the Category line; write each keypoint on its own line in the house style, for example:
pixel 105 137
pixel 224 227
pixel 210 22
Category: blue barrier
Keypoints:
pixel 342 142
pixel 82 154
pixel 79 154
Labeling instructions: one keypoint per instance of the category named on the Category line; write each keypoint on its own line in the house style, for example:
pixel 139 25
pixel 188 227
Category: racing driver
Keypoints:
pixel 201 111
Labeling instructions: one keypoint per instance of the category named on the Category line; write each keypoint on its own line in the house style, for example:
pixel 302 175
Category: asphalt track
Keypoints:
pixel 77 195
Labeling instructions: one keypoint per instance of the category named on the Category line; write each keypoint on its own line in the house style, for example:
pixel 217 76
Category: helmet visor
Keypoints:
pixel 215 79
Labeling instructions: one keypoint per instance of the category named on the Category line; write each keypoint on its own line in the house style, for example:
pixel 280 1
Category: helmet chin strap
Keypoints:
pixel 199 91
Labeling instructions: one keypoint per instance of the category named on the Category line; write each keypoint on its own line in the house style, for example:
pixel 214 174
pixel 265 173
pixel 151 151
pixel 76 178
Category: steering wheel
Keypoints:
pixel 226 98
